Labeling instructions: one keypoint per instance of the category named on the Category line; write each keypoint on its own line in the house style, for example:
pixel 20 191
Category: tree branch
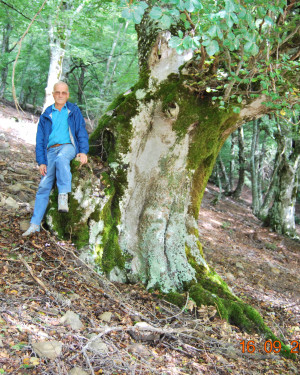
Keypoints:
pixel 16 10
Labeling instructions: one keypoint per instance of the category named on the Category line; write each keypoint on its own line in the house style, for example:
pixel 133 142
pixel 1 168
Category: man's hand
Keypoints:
pixel 43 169
pixel 82 158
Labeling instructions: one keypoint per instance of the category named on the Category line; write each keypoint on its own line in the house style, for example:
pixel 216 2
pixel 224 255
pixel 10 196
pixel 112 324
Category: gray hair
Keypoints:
pixel 59 83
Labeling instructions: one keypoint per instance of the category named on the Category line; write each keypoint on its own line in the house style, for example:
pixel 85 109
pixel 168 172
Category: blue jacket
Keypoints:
pixel 78 134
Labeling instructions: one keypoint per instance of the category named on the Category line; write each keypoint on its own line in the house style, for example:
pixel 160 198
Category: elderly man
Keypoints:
pixel 61 135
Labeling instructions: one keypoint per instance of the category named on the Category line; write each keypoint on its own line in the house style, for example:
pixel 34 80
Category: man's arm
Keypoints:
pixel 83 139
pixel 40 147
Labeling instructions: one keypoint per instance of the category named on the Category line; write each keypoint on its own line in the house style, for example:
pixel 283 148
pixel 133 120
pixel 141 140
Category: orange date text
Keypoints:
pixel 268 347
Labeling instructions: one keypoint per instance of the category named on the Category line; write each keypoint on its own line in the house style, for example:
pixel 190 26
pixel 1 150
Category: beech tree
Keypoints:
pixel 205 68
pixel 60 27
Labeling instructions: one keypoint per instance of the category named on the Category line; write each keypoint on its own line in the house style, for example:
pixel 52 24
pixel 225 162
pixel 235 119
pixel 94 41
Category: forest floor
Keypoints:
pixel 43 280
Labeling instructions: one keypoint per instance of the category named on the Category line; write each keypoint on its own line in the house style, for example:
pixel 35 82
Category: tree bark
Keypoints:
pixel 273 185
pixel 4 51
pixel 232 161
pixel 282 214
pixel 242 163
pixel 255 168
pixel 224 174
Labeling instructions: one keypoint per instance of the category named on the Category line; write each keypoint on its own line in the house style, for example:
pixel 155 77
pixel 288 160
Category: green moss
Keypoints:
pixel 67 224
pixel 113 133
pixel 234 310
pixel 176 298
pixel 206 124
pixel 109 252
pixel 111 140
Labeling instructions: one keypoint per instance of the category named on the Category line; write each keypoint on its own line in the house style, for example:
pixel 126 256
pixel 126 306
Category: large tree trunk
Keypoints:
pixel 161 142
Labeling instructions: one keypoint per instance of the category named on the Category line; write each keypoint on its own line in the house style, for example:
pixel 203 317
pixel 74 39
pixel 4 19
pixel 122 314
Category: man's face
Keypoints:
pixel 60 94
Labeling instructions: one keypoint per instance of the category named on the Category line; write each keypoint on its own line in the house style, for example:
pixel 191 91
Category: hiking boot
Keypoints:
pixel 63 203
pixel 32 229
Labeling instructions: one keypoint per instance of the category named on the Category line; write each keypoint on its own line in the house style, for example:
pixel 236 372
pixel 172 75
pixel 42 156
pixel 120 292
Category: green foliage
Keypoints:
pixel 93 81
pixel 244 36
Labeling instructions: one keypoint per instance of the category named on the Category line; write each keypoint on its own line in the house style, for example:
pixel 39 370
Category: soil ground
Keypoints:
pixel 41 278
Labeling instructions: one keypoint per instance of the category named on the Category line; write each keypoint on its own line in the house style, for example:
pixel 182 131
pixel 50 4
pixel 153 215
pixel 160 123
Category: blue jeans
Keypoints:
pixel 59 159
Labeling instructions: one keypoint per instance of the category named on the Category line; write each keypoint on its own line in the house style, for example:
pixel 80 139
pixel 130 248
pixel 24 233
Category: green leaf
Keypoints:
pixel 195 43
pixel 126 13
pixel 229 21
pixel 212 48
pixel 236 109
pixel 251 48
pixel 174 42
pixel 183 17
pixel 234 18
pixel 180 34
pixel 212 31
pixel 180 50
pixel 174 12
pixel 229 6
pixel 187 42
pixel 189 6
pixel 155 13
pixel 269 20
pixel 143 5
pixel 187 25
pixel 137 17
pixel 166 21
pixel 192 5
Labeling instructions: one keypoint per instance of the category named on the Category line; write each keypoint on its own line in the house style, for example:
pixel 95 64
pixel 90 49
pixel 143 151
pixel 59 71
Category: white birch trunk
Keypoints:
pixel 58 50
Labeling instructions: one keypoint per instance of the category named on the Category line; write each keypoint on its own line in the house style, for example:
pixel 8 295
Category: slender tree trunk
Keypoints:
pixel 4 51
pixel 273 185
pixel 57 53
pixel 260 170
pixel 242 162
pixel 224 174
pixel 103 88
pixel 254 168
pixel 81 84
pixel 59 33
pixel 232 162
pixel 282 214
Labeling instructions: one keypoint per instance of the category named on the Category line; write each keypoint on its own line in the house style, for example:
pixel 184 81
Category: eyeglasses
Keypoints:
pixel 64 93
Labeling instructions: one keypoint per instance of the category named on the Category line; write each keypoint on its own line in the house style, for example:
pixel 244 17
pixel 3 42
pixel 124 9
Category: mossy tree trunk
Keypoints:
pixel 161 141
